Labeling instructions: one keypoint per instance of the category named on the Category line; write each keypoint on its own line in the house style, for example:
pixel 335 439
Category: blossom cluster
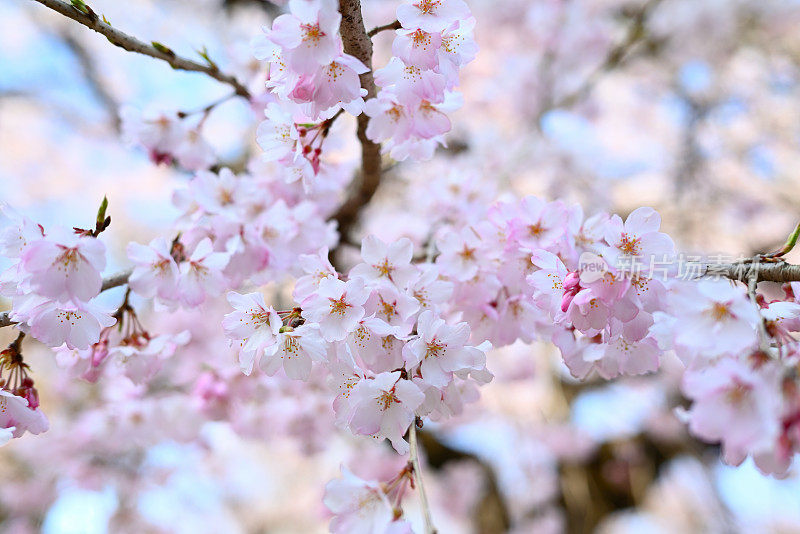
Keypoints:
pixel 379 334
pixel 169 137
pixel 309 80
pixel 409 113
pixel 232 228
pixel 397 339
pixel 390 356
pixel 540 270
pixel 53 281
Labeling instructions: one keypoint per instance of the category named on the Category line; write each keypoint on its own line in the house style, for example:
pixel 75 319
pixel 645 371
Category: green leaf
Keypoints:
pixel 163 49
pixel 791 241
pixel 204 54
pixel 81 6
pixel 101 212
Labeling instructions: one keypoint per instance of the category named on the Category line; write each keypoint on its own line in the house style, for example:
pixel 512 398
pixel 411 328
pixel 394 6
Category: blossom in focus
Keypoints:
pixel 65 266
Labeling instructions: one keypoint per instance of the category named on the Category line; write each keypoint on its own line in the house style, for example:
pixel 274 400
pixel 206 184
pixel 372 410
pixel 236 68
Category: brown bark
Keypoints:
pixel 357 43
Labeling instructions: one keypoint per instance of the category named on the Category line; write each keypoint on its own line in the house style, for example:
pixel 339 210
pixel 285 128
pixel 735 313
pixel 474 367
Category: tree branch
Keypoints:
pixel 779 271
pixel 93 79
pixel 615 57
pixel 491 512
pixel 115 280
pixel 90 19
pixel 391 26
pixel 357 43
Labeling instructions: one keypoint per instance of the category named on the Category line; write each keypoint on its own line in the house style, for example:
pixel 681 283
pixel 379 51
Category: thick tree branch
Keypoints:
pixel 90 19
pixel 779 271
pixel 357 43
pixel 491 512
pixel 115 280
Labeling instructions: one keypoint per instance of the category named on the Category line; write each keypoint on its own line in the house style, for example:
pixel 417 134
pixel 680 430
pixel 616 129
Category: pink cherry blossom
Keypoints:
pixel 254 324
pixel 440 350
pixel 375 346
pixel 460 254
pixel 17 417
pixel 16 232
pixel 431 15
pixel 429 290
pixel 317 267
pixel 193 152
pixel 538 224
pixel 736 405
pixel 64 265
pixel 429 121
pixel 411 84
pixel 359 506
pixel 386 262
pixel 337 307
pixel 277 135
pixel 417 47
pixel 337 83
pixel 384 406
pixel 309 35
pixel 159 132
pixel 393 307
pixel 155 272
pixel 78 324
pixel 457 49
pixel 140 362
pixel 294 349
pixel 637 237
pixel 389 119
pixel 549 283
pixel 715 318
pixel 202 274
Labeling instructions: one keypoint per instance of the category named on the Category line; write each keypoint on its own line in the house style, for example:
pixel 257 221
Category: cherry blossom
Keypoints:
pixel 17 417
pixel 53 323
pixel 309 35
pixel 716 318
pixel 337 307
pixel 156 273
pixel 65 266
pixel 202 274
pixel 388 262
pixel 440 350
pixel 384 406
pixel 431 15
pixel 254 324
pixel 359 505
pixel 736 405
pixel 295 349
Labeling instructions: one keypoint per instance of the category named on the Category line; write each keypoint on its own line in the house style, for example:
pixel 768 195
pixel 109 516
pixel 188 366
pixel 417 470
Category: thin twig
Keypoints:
pixel 615 57
pixel 423 498
pixel 93 78
pixel 115 280
pixel 156 50
pixel 378 29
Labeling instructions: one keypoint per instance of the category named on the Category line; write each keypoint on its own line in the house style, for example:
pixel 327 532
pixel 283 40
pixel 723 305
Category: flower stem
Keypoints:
pixel 423 498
